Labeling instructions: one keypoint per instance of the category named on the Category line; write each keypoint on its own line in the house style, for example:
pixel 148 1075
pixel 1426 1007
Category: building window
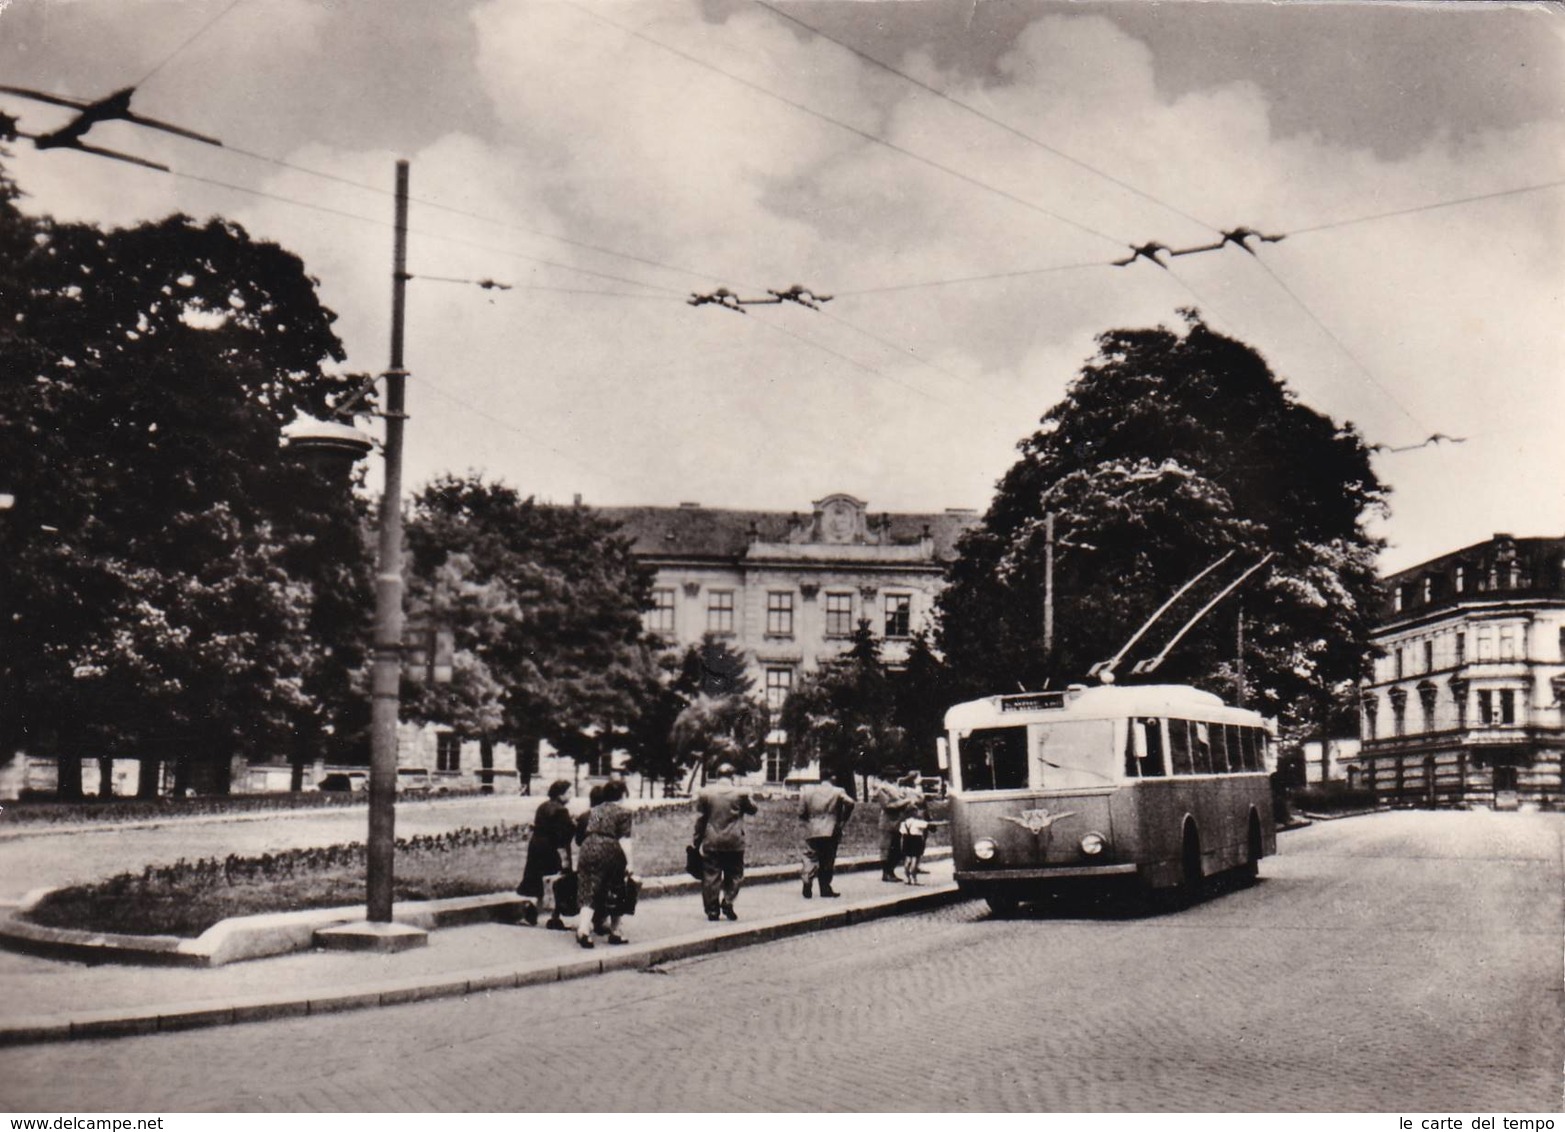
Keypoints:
pixel 1399 711
pixel 779 682
pixel 1371 716
pixel 1461 579
pixel 1429 590
pixel 1426 698
pixel 1429 656
pixel 1459 694
pixel 1399 664
pixel 1397 597
pixel 1461 648
pixel 1485 707
pixel 1485 646
pixel 779 614
pixel 839 615
pixel 1507 707
pixel 1507 644
pixel 778 762
pixel 448 751
pixel 899 615
pixel 661 619
pixel 720 611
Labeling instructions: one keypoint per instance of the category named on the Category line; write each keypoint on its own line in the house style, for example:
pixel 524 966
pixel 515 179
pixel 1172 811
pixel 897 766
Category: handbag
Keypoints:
pixel 693 863
pixel 562 894
pixel 628 896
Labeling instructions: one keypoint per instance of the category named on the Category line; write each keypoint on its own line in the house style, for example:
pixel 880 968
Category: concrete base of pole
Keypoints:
pixel 367 936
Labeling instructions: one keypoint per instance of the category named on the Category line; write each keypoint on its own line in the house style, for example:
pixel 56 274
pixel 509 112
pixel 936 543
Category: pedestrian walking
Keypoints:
pixel 721 807
pixel 893 802
pixel 548 852
pixel 824 808
pixel 606 863
pixel 915 826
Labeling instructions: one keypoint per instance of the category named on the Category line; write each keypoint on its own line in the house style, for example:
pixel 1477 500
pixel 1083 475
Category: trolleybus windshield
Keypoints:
pixel 1076 754
pixel 994 758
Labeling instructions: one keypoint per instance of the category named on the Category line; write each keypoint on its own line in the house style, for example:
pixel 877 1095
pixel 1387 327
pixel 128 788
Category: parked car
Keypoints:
pixel 414 780
pixel 345 781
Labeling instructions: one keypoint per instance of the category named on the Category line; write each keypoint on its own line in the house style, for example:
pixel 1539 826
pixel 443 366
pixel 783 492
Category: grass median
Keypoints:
pixel 187 897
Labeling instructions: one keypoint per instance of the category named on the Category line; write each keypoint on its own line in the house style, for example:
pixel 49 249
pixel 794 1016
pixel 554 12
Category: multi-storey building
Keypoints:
pixel 788 590
pixel 1464 705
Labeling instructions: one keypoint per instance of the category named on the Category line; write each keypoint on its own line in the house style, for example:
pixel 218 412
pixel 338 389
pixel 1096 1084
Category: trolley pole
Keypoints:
pixel 1048 586
pixel 387 672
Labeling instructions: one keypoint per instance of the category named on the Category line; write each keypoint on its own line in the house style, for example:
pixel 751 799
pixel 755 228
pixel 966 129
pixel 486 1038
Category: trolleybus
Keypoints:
pixel 1160 785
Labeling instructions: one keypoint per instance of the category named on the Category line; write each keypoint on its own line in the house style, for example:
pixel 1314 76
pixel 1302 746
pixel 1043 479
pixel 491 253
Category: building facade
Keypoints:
pixel 1464 705
pixel 787 590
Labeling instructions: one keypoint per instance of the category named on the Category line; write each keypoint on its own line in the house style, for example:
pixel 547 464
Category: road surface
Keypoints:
pixel 1406 962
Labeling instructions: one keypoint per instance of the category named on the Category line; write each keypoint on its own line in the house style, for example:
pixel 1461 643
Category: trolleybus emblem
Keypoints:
pixel 1036 822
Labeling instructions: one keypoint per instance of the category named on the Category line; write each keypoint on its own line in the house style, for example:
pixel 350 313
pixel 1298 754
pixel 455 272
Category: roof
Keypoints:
pixel 711 532
pixel 1175 700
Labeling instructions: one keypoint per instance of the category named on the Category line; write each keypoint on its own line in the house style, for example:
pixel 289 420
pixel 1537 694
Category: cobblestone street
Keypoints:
pixel 1399 962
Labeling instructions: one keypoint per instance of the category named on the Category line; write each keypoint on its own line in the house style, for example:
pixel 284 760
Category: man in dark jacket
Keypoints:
pixel 824 808
pixel 721 807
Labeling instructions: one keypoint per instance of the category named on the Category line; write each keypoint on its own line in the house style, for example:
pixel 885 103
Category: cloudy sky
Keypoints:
pixel 607 159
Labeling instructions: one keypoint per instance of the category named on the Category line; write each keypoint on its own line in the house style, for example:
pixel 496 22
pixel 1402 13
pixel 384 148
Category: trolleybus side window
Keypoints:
pixel 1220 763
pixel 1144 749
pixel 1179 746
pixel 1201 747
pixel 1247 747
pixel 1076 754
pixel 994 758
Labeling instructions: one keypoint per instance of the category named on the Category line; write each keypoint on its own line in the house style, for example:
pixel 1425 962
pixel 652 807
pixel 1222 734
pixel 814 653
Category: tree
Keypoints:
pixel 165 588
pixel 844 714
pixel 544 604
pixel 701 711
pixel 921 692
pixel 1168 450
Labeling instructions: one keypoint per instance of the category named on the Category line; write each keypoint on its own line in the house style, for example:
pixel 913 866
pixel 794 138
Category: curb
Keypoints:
pixel 150 1020
pixel 281 933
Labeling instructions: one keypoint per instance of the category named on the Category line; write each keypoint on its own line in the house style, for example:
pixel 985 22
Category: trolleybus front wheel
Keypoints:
pixel 1002 903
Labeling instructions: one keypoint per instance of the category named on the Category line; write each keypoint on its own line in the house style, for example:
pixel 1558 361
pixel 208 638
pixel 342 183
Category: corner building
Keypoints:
pixel 788 590
pixel 1466 706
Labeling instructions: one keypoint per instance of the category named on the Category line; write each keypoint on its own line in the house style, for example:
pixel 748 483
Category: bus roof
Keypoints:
pixel 1107 702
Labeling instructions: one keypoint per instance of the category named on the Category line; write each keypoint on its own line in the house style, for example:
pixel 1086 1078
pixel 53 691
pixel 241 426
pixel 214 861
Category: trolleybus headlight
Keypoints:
pixel 1092 844
pixel 983 848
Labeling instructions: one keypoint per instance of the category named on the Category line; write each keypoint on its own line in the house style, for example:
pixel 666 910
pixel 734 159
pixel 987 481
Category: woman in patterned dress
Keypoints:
pixel 604 864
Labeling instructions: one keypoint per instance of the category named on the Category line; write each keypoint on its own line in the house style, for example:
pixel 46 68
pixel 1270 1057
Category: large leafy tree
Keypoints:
pixel 701 710
pixel 171 588
pixel 1171 448
pixel 844 715
pixel 544 604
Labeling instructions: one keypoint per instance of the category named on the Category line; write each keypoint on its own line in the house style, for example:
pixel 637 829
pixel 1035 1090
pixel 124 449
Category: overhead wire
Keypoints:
pixel 202 30
pixel 991 119
pixel 852 129
pixel 1349 354
pixel 439 237
pixel 1427 207
pixel 454 211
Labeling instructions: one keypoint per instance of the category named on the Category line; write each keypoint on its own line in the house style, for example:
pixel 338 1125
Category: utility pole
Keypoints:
pixel 1048 586
pixel 387 672
pixel 1239 698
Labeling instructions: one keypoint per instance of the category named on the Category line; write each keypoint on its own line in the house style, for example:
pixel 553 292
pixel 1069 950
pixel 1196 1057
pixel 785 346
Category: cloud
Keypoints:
pixel 553 123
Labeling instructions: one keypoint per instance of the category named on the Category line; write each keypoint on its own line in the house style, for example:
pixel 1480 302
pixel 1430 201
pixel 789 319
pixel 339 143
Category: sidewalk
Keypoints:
pixel 52 1000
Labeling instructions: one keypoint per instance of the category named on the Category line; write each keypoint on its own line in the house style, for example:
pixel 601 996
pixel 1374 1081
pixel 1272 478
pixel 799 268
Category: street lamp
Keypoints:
pixel 377 932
